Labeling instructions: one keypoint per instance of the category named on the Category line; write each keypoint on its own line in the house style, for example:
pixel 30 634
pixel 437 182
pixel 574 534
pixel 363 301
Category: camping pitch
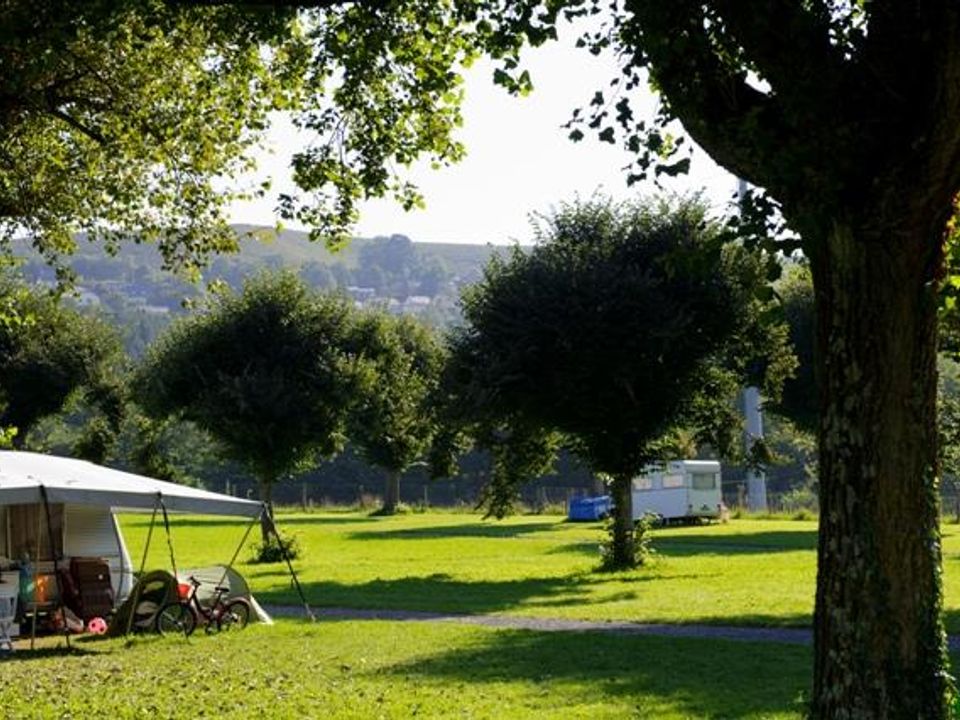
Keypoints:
pixel 53 509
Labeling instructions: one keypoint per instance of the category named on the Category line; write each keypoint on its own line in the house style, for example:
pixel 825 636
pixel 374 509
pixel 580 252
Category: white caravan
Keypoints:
pixel 677 490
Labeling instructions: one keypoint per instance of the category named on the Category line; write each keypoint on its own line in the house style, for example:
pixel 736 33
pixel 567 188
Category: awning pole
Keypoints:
pixel 143 564
pixel 236 553
pixel 293 574
pixel 56 568
pixel 36 558
pixel 166 526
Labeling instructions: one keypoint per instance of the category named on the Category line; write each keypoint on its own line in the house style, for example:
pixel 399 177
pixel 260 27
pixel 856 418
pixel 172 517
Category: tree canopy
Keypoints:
pixel 394 421
pixel 267 372
pixel 118 118
pixel 48 354
pixel 622 324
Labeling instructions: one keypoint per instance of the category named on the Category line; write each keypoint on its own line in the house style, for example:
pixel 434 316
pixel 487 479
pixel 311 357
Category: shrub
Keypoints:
pixel 271 551
pixel 642 551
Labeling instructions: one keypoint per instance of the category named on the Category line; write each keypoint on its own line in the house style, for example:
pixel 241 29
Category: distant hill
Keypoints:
pixel 393 272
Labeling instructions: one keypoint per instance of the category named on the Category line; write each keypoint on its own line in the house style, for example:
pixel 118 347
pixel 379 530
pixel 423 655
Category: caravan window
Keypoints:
pixel 672 481
pixel 643 483
pixel 704 481
pixel 27 525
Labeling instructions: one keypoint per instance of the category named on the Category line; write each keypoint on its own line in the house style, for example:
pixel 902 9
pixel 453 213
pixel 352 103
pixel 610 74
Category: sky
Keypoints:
pixel 519 160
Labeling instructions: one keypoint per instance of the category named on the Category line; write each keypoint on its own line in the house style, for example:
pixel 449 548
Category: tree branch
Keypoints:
pixel 788 44
pixel 711 97
pixel 77 125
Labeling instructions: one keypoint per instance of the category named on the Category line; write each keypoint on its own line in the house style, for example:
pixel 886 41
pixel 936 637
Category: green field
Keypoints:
pixel 746 572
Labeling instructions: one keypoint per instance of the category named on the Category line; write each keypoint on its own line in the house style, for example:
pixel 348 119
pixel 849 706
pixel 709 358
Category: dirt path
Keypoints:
pixel 792 636
pixel 796 636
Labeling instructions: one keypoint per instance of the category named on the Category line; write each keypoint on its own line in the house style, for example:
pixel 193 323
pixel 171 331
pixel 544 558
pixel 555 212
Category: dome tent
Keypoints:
pixel 159 587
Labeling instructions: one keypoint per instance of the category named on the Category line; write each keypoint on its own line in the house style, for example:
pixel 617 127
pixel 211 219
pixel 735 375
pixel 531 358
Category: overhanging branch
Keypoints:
pixel 789 45
pixel 708 94
pixel 77 125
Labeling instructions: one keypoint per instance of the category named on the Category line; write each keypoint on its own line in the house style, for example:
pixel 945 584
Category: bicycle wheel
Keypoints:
pixel 176 618
pixel 235 615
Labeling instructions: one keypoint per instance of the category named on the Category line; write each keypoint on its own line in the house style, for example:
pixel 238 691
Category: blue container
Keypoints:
pixel 587 509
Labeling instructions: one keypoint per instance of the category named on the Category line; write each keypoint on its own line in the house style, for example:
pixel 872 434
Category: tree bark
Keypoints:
pixel 265 489
pixel 622 540
pixel 879 641
pixel 391 493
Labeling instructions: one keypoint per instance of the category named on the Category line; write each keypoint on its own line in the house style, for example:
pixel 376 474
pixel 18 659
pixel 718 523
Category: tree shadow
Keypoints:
pixel 690 543
pixel 23 653
pixel 698 677
pixel 439 593
pixel 433 532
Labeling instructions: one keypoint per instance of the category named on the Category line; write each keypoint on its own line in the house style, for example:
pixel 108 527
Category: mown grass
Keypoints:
pixel 748 572
pixel 404 670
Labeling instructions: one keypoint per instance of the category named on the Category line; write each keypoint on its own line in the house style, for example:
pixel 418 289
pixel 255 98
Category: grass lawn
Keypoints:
pixel 403 670
pixel 759 572
pixel 748 572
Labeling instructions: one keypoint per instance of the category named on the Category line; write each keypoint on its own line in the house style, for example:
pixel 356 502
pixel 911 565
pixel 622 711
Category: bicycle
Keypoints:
pixel 183 615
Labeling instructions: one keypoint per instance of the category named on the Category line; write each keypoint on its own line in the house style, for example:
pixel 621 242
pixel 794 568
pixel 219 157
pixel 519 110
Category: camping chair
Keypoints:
pixel 8 614
pixel 86 588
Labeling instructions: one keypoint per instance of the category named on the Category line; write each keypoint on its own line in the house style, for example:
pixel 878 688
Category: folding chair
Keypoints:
pixel 8 614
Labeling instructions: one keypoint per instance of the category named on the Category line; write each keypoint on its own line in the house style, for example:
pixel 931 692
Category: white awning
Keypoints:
pixel 76 481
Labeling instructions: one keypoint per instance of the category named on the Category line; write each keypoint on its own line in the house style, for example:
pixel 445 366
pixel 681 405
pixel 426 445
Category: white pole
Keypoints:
pixel 753 431
pixel 753 425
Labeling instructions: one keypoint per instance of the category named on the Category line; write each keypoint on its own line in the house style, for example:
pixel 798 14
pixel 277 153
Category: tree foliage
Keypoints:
pixel 394 421
pixel 622 324
pixel 50 353
pixel 118 118
pixel 267 372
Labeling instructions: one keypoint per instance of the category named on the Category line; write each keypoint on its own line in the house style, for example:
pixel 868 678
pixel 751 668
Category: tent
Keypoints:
pixel 159 587
pixel 54 508
pixel 81 499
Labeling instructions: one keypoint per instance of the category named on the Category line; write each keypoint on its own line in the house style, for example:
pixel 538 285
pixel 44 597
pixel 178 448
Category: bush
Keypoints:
pixel 271 551
pixel 642 551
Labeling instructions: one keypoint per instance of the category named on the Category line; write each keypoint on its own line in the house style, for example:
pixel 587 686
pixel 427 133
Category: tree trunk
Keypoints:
pixel 391 493
pixel 879 642
pixel 265 488
pixel 622 555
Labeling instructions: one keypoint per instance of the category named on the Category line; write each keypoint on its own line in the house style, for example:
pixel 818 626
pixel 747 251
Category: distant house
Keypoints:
pixel 416 304
pixel 361 294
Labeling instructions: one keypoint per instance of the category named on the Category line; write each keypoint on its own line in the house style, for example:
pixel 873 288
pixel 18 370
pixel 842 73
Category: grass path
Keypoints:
pixel 790 636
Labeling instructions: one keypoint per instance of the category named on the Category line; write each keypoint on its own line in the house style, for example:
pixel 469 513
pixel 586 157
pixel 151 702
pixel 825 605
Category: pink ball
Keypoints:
pixel 97 626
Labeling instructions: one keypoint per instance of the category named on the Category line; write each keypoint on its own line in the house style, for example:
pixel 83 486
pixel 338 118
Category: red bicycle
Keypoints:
pixel 185 614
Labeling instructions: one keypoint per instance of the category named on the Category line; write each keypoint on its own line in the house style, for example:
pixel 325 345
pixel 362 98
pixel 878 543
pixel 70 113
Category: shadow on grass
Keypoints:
pixel 476 529
pixel 695 677
pixel 438 593
pixel 23 652
pixel 442 594
pixel 691 543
